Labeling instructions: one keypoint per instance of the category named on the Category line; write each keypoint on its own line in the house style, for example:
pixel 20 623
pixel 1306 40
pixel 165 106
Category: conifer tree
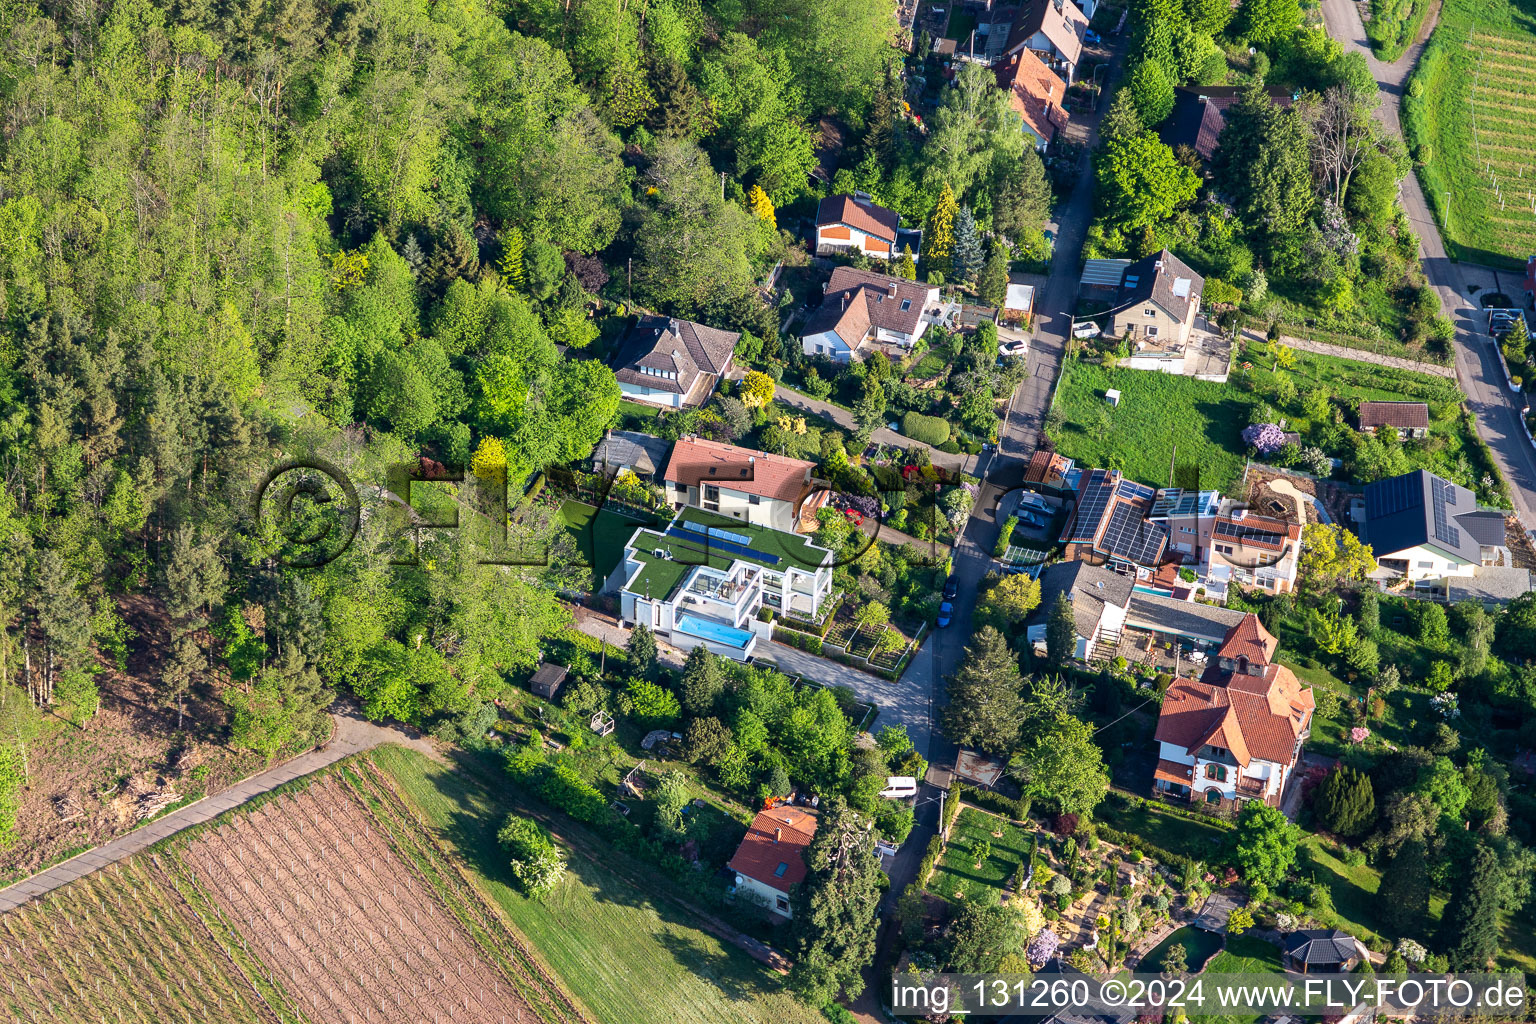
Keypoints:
pixel 512 245
pixel 1404 893
pixel 941 233
pixel 1346 802
pixel 992 285
pixel 985 702
pixel 836 907
pixel 761 206
pixel 906 266
pixel 1061 632
pixel 1469 930
pixel 966 255
pixel 702 681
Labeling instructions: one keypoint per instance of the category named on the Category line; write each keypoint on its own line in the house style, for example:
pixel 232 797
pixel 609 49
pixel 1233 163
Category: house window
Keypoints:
pixel 1213 796
pixel 783 905
pixel 1151 332
pixel 1218 751
pixel 753 499
pixel 778 872
pixel 711 492
pixel 1216 771
pixel 1149 311
pixel 906 304
pixel 1426 565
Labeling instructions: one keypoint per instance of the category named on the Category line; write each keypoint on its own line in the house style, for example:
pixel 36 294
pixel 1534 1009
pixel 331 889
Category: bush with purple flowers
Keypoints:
pixel 1267 438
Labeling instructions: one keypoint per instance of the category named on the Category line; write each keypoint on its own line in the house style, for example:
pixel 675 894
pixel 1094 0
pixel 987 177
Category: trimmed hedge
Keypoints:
pixel 1016 810
pixel 931 430
pixel 1004 536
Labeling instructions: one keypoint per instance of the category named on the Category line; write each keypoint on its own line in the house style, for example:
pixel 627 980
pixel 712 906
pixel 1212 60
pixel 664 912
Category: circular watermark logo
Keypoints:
pixel 308 512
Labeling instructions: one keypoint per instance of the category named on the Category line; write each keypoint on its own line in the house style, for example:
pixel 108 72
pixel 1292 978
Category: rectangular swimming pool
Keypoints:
pixel 1154 591
pixel 717 632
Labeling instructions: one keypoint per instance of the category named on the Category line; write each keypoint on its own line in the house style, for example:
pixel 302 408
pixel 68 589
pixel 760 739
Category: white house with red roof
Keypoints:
pixel 1035 93
pixel 864 312
pixel 1236 733
pixel 770 861
pixel 755 487
pixel 855 222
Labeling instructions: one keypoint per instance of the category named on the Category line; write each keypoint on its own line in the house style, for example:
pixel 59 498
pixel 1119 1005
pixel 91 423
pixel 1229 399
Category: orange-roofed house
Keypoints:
pixel 863 312
pixel 845 223
pixel 755 487
pixel 1236 733
pixel 770 861
pixel 1035 92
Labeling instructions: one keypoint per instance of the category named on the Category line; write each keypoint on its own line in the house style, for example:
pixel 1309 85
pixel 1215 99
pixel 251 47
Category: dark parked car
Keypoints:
pixel 951 588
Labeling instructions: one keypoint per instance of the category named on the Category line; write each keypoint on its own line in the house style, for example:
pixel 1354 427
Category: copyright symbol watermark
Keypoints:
pixel 308 511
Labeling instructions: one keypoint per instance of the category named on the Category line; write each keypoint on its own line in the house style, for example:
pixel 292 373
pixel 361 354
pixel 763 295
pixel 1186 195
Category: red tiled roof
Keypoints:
pixel 1045 467
pixel 1404 415
pixel 1249 639
pixel 1252 716
pixel 773 850
pixel 696 461
pixel 1172 771
pixel 1034 91
pixel 1195 715
pixel 858 213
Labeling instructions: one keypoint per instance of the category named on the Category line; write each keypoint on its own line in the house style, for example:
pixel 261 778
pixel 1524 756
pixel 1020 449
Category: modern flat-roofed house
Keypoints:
pixel 1035 93
pixel 1053 29
pixel 1109 524
pixel 847 223
pixel 864 312
pixel 770 861
pixel 674 363
pixel 702 580
pixel 1158 301
pixel 754 487
pixel 1409 419
pixel 1235 734
pixel 1423 527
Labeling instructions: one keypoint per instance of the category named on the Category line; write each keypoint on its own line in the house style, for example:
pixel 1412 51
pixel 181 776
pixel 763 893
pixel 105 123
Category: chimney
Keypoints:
pixel 778 834
pixel 893 289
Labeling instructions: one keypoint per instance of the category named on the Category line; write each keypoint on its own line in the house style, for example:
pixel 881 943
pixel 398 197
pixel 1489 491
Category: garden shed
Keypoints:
pixel 547 680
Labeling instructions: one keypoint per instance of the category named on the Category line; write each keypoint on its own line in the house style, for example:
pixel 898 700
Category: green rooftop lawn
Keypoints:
pixel 600 534
pixel 663 575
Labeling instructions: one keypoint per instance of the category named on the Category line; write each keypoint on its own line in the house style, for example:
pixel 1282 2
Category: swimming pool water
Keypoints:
pixel 715 631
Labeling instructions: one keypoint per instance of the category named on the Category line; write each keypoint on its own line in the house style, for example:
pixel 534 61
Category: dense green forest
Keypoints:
pixel 240 233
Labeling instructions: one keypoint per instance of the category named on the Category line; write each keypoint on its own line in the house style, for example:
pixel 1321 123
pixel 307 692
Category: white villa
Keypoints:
pixel 703 579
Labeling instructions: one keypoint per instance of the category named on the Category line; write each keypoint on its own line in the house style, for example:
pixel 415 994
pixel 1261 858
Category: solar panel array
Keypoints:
pixel 713 543
pixel 1244 533
pixel 715 531
pixel 1096 497
pixel 1443 493
pixel 1131 537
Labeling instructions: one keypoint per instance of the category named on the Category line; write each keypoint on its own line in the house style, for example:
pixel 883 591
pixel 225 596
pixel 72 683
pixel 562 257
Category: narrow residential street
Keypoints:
pixel 1498 411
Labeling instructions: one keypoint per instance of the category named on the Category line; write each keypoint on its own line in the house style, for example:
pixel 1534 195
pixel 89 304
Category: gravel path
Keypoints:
pixel 353 734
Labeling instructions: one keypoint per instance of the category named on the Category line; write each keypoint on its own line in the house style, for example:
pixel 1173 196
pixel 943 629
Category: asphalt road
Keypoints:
pixel 1477 366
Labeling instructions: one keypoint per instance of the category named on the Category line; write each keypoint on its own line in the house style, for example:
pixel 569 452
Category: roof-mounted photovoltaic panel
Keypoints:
pixel 712 543
pixel 1096 498
pixel 1245 533
pixel 1443 495
pixel 1131 537
pixel 717 532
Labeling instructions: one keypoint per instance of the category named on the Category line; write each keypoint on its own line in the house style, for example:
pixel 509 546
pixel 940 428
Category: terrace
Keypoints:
pixel 666 558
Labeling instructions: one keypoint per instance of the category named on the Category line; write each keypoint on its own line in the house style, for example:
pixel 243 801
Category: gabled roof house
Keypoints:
pixel 671 362
pixel 1109 524
pixel 863 312
pixel 770 861
pixel 1409 419
pixel 1054 30
pixel 1423 527
pixel 1236 733
pixel 1159 298
pixel 1200 114
pixel 1035 93
pixel 856 222
pixel 755 487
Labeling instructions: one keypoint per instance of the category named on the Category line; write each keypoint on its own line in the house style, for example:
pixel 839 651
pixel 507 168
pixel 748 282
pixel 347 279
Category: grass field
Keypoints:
pixel 1244 954
pixel 958 878
pixel 1162 417
pixel 1172 832
pixel 601 535
pixel 1471 109
pixel 630 957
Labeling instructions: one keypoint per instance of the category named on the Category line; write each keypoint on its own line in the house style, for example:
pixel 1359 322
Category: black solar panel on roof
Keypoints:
pixel 1393 495
pixel 1443 494
pixel 1243 532
pixel 1096 498
pixel 1131 537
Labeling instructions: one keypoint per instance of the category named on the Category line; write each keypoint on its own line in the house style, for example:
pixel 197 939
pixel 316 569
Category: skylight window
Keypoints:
pixel 778 872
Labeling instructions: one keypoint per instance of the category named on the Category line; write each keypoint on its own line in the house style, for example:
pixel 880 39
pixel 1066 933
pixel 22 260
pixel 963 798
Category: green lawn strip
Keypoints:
pixel 1244 954
pixel 1198 946
pixel 1175 833
pixel 957 877
pixel 600 534
pixel 630 956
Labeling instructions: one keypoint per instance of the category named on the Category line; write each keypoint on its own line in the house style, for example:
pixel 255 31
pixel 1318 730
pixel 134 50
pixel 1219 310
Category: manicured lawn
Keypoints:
pixel 1244 955
pixel 1174 833
pixel 1158 413
pixel 1198 946
pixel 629 956
pixel 601 535
pixel 957 876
